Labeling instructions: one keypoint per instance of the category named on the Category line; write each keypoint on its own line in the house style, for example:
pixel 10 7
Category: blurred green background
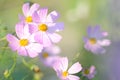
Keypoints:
pixel 77 15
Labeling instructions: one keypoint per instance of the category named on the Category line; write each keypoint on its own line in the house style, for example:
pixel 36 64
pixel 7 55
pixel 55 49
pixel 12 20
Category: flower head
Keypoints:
pixel 61 68
pixel 28 12
pixel 49 55
pixel 95 40
pixel 25 44
pixel 46 27
pixel 89 72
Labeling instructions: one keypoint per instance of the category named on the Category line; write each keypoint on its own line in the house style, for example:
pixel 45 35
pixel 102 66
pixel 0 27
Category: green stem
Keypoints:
pixel 26 64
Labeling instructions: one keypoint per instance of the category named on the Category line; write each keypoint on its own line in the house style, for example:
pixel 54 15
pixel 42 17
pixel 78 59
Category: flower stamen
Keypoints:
pixel 45 55
pixel 65 74
pixel 28 19
pixel 23 42
pixel 42 27
pixel 92 41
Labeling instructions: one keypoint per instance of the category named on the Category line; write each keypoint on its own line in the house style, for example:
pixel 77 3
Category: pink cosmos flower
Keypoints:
pixel 61 67
pixel 24 44
pixel 95 40
pixel 28 13
pixel 46 27
pixel 89 73
pixel 49 55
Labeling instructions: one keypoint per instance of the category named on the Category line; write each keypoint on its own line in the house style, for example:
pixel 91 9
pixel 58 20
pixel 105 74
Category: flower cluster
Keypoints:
pixel 36 35
pixel 35 31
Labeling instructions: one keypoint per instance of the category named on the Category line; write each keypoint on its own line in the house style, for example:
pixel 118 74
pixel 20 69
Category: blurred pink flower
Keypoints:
pixel 25 44
pixel 95 40
pixel 46 27
pixel 28 12
pixel 61 68
pixel 89 73
pixel 49 55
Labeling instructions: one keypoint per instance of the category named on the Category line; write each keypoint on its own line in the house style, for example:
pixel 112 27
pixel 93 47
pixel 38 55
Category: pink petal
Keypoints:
pixel 33 28
pixel 35 17
pixel 21 18
pixel 104 34
pixel 33 8
pixel 22 51
pixel 19 30
pixel 72 77
pixel 75 68
pixel 64 63
pixel 43 14
pixel 104 42
pixel 55 38
pixel 34 49
pixel 13 42
pixel 53 49
pixel 61 64
pixel 22 30
pixel 43 38
pixel 52 17
pixel 97 49
pixel 92 69
pixel 55 27
pixel 89 31
pixel 25 8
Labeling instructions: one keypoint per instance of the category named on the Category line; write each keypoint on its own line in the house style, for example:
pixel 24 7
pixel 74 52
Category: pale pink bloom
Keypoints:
pixel 49 55
pixel 95 41
pixel 61 68
pixel 25 44
pixel 46 27
pixel 28 12
pixel 89 72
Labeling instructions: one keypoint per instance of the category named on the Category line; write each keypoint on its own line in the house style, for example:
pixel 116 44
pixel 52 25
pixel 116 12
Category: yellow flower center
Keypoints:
pixel 65 74
pixel 23 42
pixel 86 71
pixel 28 19
pixel 43 27
pixel 92 41
pixel 45 55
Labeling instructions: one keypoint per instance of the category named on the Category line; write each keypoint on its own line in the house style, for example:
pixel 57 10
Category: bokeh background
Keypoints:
pixel 77 15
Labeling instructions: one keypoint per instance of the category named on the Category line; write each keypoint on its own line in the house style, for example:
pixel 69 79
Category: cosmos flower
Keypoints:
pixel 49 55
pixel 28 12
pixel 46 27
pixel 95 41
pixel 89 72
pixel 61 68
pixel 25 44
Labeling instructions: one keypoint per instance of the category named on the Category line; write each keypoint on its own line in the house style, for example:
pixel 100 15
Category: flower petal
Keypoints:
pixel 52 17
pixel 42 38
pixel 89 31
pixel 104 42
pixel 72 77
pixel 34 49
pixel 75 68
pixel 55 38
pixel 55 27
pixel 43 14
pixel 25 8
pixel 33 28
pixel 22 51
pixel 13 42
pixel 35 17
pixel 19 30
pixel 97 49
pixel 64 63
pixel 33 8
